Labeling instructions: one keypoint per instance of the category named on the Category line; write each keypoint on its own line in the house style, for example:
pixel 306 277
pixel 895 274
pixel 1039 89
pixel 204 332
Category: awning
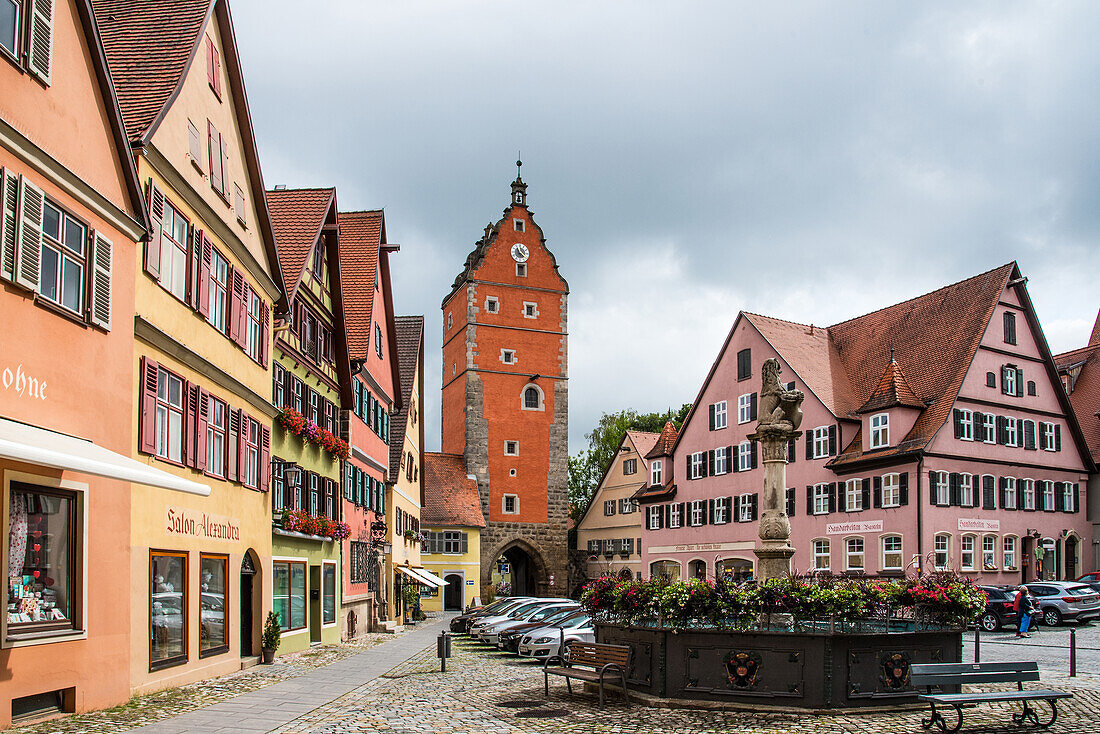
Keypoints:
pixel 42 447
pixel 422 577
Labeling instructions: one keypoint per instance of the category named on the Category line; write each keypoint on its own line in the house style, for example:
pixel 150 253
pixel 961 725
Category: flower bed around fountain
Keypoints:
pixel 796 642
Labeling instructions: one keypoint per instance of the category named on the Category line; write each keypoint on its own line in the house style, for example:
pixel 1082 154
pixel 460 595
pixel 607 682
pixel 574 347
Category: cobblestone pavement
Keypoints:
pixel 486 692
pixel 142 710
pixel 1049 646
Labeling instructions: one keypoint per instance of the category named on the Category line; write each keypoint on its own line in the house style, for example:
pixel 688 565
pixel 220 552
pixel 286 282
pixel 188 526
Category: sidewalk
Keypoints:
pixel 274 706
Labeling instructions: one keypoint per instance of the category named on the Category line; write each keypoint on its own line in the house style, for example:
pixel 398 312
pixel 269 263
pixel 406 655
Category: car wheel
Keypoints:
pixel 990 622
pixel 1052 617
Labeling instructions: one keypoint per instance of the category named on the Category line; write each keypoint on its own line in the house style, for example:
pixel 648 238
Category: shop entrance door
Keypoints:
pixel 1071 558
pixel 314 603
pixel 248 572
pixel 452 594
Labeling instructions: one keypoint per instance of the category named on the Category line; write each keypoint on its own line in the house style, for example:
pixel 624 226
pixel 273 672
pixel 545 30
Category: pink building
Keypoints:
pixel 936 434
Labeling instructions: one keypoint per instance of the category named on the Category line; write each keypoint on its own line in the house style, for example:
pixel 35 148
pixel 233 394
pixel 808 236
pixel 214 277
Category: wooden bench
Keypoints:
pixel 938 675
pixel 589 661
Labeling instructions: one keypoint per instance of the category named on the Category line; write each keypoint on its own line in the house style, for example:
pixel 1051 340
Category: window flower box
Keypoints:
pixel 300 521
pixel 294 422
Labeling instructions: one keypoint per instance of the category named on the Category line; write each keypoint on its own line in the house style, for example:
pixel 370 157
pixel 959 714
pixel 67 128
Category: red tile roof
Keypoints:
pixel 1085 397
pixel 665 441
pixel 297 216
pixel 450 496
pixel 361 234
pixel 148 45
pixel 893 390
pixel 1094 338
pixel 643 441
pixel 410 341
pixel 651 494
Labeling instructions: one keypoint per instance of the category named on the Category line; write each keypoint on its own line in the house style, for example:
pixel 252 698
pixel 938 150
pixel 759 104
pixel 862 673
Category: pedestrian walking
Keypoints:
pixel 1024 605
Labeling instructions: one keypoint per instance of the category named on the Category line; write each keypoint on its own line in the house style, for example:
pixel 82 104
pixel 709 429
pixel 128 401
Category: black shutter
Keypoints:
pixel 1076 497
pixel 1019 383
pixel 958 423
pixel 752 407
pixel 703 468
pixel 661 511
pixel 710 462
pixel 832 496
pixel 1057 437
pixel 790 501
pixel 1002 486
pixel 712 406
pixel 1002 424
pixel 753 503
pixel 710 511
pixel 989 501
pixel 687 471
pixel 832 440
pixel 1004 379
pixel 810 500
pixel 979 426
pixel 735 458
pixel 752 453
pixel 667 516
pixel 1059 497
pixel 932 488
pixel 991 379
pixel 865 500
pixel 878 491
pixel 683 514
pixel 809 444
pixel 953 482
pixel 903 488
pixel 1029 435
pixel 735 511
pixel 792 451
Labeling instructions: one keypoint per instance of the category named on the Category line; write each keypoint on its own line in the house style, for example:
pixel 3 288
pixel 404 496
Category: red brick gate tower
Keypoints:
pixel 506 396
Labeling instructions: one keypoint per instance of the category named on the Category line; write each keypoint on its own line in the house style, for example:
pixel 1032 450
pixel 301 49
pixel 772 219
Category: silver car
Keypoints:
pixel 496 609
pixel 491 634
pixel 547 641
pixel 509 613
pixel 1065 601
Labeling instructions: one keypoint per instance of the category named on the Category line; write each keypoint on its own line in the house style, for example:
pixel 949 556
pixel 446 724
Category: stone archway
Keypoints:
pixel 527 569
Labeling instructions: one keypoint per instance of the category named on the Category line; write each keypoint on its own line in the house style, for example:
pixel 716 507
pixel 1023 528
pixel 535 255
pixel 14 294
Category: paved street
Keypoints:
pixel 1049 646
pixel 397 687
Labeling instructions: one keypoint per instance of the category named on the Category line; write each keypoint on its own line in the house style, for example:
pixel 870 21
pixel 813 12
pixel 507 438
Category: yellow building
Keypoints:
pixel 208 281
pixel 610 530
pixel 452 523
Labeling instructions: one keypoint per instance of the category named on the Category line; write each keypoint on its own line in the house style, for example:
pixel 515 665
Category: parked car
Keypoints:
pixel 547 641
pixel 491 635
pixel 508 640
pixel 998 608
pixel 513 612
pixel 1065 601
pixel 462 622
pixel 1089 578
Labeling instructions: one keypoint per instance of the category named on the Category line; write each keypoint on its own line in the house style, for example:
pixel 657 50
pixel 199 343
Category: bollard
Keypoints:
pixel 977 643
pixel 1073 653
pixel 443 650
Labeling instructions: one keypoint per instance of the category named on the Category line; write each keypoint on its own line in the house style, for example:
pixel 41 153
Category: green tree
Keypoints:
pixel 587 466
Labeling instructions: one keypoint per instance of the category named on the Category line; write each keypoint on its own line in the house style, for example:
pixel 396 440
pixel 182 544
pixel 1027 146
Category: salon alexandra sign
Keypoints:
pixel 179 521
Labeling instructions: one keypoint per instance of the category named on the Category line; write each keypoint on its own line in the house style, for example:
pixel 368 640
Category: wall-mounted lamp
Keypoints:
pixel 291 472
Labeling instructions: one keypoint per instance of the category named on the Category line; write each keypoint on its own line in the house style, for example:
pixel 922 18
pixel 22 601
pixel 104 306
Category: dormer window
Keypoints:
pixel 655 473
pixel 880 430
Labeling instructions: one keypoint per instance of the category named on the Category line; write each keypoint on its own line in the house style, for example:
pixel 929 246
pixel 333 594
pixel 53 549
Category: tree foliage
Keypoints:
pixel 587 467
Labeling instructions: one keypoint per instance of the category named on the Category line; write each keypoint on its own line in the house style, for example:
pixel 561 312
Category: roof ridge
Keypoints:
pixel 784 321
pixel 379 210
pixel 1078 350
pixel 287 189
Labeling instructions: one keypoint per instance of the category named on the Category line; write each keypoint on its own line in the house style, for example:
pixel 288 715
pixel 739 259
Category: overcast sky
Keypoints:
pixel 810 161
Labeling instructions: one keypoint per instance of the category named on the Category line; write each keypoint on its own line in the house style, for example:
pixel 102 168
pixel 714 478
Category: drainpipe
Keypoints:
pixel 920 510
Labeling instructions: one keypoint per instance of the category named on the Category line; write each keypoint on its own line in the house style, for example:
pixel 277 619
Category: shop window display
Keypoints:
pixel 41 559
pixel 212 605
pixel 328 595
pixel 289 597
pixel 167 609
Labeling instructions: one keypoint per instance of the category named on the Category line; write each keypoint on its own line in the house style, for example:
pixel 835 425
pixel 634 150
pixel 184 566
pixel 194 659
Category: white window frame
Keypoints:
pixel 744 508
pixel 889 539
pixel 1048 436
pixel 989 423
pixel 821 442
pixel 822 550
pixel 894 499
pixel 721 511
pixel 698 513
pixel 966 490
pixel 655 472
pixel 513 445
pixel 653 518
pixel 530 310
pixel 610 508
pixel 853 495
pixel 945 550
pixel 538 391
pixel 521 270
pixel 1012 432
pixel 821 498
pixel 504 504
pixel 966 555
pixel 1067 497
pixel 632 465
pixel 1010 492
pixel 1048 495
pixel 1027 494
pixel 880 430
pixel 1009 378
pixel 508 356
pixel 989 553
pixel 744 408
pixel 492 304
pixel 721 460
pixel 698 461
pixel 966 424
pixel 942 488
pixel 1008 553
pixel 744 456
pixel 674 518
pixel 719 415
pixel 849 554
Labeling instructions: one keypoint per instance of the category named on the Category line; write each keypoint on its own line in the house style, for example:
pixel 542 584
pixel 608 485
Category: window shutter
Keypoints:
pixel 1076 497
pixel 753 504
pixel 832 496
pixel 958 423
pixel 242 446
pixel 712 407
pixel 809 499
pixel 735 458
pixel 832 440
pixel 1004 379
pixel 233 455
pixel 752 407
pixel 979 426
pixel 190 421
pixel 236 304
pixel 790 501
pixel 225 168
pixel 1059 497
pixel 932 499
pixel 100 306
pixel 9 223
pixel 903 487
pixel 1057 437
pixel 989 501
pixel 737 502
pixel 147 442
pixel 1019 383
pixel 710 511
pixel 954 490
pixel 265 314
pixel 29 248
pixel 215 148
pixel 809 444
pixel 991 379
pixel 1029 435
pixel 156 220
pixel 1002 430
pixel 464 543
pixel 265 460
pixel 203 259
pixel 710 462
pixel 202 423
pixel 878 492
pixel 703 468
pixel 687 471
pixel 792 450
pixel 865 504
pixel 39 51
pixel 752 453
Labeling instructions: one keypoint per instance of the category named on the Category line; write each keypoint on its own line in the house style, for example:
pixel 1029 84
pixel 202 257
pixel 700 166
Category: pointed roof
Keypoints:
pixel 297 217
pixel 1083 369
pixel 643 441
pixel 409 331
pixel 451 496
pixel 1094 337
pixel 893 391
pixel 664 443
pixel 362 233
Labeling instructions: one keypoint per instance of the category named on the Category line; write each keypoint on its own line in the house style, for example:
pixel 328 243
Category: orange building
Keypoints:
pixel 506 397
pixel 72 218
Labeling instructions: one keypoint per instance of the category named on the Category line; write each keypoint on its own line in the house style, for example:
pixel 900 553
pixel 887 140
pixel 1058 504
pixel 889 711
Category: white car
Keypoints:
pixel 490 635
pixel 510 613
pixel 546 641
pixel 497 608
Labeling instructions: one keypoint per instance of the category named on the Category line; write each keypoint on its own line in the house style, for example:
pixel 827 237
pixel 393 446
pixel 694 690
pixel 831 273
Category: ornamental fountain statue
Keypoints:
pixel 780 415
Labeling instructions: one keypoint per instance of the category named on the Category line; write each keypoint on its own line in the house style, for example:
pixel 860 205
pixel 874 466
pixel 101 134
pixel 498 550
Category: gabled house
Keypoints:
pixel 310 374
pixel 1080 373
pixel 452 521
pixel 936 434
pixel 609 531
pixel 206 285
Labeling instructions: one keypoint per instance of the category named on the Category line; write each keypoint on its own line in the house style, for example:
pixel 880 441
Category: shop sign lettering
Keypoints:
pixel 968 523
pixel 179 521
pixel 843 528
pixel 23 384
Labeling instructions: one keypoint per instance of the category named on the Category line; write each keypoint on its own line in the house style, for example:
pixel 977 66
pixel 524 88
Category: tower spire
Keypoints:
pixel 519 189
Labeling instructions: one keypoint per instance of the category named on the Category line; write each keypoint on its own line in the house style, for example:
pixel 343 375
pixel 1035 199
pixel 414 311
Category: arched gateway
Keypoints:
pixel 527 571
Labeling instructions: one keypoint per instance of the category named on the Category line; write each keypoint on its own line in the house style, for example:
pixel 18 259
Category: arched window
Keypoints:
pixel 821 554
pixel 943 551
pixel 532 398
pixel 892 559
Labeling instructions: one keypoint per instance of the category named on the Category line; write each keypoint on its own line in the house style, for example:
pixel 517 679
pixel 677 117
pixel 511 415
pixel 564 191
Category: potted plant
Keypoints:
pixel 410 535
pixel 271 638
